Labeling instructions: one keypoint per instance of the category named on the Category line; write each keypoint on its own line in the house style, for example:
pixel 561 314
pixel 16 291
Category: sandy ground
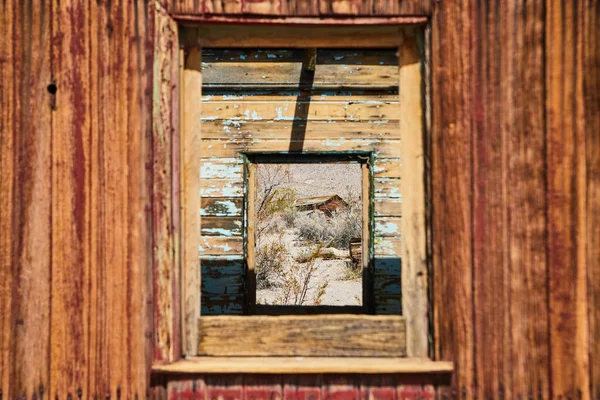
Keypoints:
pixel 339 291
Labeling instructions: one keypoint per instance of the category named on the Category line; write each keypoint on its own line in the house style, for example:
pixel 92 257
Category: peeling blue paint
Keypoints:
pixel 383 227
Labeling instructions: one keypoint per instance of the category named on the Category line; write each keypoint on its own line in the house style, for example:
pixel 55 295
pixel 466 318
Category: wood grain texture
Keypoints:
pixel 566 177
pixel 241 129
pixel 31 240
pixel 191 205
pixel 71 200
pixel 294 367
pixel 358 8
pixel 340 335
pixel 214 36
pixel 488 60
pixel 277 120
pixel 166 71
pixel 525 369
pixel 451 182
pixel 412 224
pixel 490 213
pixel 591 68
pixel 9 125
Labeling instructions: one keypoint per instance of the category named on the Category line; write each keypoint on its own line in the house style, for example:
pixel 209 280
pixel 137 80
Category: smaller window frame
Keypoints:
pixel 365 159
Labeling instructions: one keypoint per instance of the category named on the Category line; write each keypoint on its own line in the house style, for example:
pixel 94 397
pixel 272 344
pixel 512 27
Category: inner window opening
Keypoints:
pixel 308 234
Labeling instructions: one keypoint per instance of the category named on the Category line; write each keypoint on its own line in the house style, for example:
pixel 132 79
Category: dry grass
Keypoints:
pixel 270 261
pixel 295 282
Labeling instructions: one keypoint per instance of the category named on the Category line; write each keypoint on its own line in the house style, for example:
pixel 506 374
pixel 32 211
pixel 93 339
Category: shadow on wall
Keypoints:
pixel 223 289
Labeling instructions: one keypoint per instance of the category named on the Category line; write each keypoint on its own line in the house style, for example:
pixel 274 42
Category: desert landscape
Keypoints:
pixel 306 216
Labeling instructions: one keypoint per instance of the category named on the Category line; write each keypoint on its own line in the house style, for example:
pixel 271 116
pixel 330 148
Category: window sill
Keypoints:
pixel 305 365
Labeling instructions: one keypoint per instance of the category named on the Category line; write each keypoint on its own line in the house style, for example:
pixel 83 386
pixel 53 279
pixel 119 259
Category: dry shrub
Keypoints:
pixel 325 254
pixel 336 231
pixel 269 263
pixel 279 200
pixel 313 227
pixel 289 216
pixel 295 282
pixel 352 271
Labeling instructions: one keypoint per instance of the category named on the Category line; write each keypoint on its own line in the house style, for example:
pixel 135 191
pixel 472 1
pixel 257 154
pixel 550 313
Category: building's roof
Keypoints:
pixel 315 201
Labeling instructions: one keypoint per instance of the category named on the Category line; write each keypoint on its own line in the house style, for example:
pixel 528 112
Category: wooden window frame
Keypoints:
pixel 186 111
pixel 365 159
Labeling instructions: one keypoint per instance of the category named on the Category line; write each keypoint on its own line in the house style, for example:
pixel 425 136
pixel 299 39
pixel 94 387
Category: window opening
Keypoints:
pixel 309 242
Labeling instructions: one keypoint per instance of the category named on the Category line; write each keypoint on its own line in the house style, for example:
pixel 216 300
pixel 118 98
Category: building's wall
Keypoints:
pixel 260 101
pixel 515 190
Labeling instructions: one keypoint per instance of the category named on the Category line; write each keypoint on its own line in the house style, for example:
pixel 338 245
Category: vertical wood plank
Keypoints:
pixel 32 201
pixel 190 198
pixel 263 387
pixel 100 55
pixel 226 387
pixel 231 7
pixel 340 387
pixel 451 193
pixel 188 389
pixel 490 233
pixel 566 174
pixel 262 7
pixel 7 179
pixel 366 8
pixel 378 387
pixel 414 256
pixel 418 389
pixel 139 158
pixel 302 387
pixel 591 87
pixel 113 143
pixel 70 199
pixel 523 124
pixel 186 7
pixel 300 8
pixel 165 78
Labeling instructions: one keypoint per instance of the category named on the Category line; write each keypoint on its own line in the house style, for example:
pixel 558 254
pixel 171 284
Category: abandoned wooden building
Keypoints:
pixel 131 133
pixel 324 204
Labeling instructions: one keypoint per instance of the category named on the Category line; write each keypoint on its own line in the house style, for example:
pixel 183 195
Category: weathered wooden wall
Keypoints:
pixel 76 183
pixel 263 101
pixel 515 192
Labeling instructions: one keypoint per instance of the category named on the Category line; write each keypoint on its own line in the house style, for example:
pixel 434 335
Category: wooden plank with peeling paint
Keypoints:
pixel 221 226
pixel 388 207
pixel 290 108
pixel 221 245
pixel 222 280
pixel 221 188
pixel 231 97
pixel 387 168
pixel 221 206
pixel 386 285
pixel 287 75
pixel 281 129
pixel 226 148
pixel 388 246
pixel 219 168
pixel 386 188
